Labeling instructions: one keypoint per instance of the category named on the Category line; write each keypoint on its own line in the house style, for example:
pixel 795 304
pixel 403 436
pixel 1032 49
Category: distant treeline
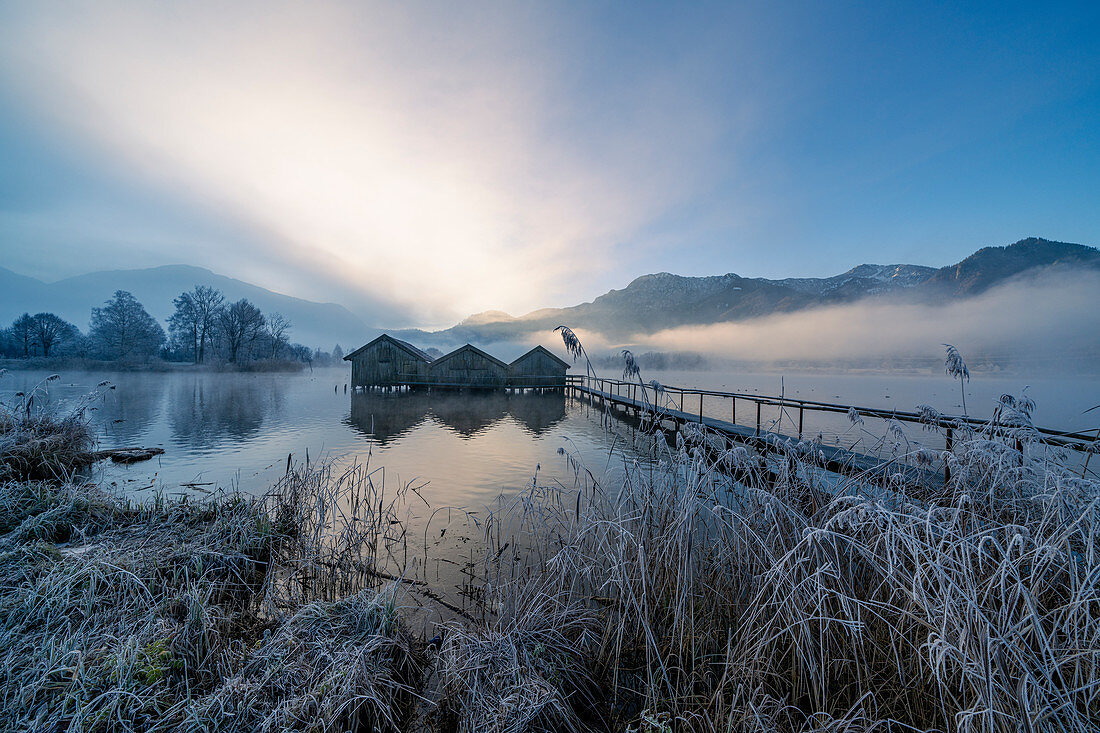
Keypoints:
pixel 657 360
pixel 203 329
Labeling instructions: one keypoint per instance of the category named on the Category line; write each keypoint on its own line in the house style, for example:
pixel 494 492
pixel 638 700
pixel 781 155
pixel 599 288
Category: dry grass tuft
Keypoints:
pixel 171 615
pixel 37 443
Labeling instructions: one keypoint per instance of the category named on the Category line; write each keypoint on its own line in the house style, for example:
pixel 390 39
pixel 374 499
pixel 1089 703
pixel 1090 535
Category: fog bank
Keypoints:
pixel 1048 321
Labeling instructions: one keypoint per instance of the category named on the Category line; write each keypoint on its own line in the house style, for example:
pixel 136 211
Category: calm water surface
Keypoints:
pixel 236 430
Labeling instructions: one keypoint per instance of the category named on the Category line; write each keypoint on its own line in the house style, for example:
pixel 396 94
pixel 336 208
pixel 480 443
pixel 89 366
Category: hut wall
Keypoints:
pixel 386 364
pixel 467 369
pixel 536 370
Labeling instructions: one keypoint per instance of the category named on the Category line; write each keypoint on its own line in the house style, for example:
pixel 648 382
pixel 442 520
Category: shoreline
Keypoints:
pixel 155 366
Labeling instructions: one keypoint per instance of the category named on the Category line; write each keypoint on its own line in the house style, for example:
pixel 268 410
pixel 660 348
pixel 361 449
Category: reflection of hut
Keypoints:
pixel 537 368
pixel 468 415
pixel 468 366
pixel 387 361
pixel 537 412
pixel 387 415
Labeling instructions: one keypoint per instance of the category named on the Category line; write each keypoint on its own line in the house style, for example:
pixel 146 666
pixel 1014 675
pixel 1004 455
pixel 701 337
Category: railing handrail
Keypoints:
pixel 945 421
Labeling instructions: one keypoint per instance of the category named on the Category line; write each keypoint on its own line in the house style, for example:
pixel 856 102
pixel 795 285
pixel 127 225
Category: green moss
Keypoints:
pixel 154 662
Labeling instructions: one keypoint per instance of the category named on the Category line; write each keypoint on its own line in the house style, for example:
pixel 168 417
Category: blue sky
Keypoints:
pixel 419 162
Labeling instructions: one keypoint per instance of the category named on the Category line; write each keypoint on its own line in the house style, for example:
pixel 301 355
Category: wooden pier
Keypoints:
pixel 677 407
pixel 390 364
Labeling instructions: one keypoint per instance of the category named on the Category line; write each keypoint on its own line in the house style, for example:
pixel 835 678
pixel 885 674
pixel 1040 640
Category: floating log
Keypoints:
pixel 124 455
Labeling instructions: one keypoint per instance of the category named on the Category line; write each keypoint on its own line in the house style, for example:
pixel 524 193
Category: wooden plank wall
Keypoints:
pixel 467 368
pixel 536 370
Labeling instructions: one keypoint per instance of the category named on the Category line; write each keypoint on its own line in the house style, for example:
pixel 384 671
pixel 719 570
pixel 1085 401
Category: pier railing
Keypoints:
pixel 689 401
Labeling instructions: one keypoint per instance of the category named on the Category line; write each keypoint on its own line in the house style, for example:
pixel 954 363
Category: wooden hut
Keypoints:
pixel 390 362
pixel 539 367
pixel 387 361
pixel 468 366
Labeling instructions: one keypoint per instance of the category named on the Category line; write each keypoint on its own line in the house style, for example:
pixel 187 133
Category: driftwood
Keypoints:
pixel 124 455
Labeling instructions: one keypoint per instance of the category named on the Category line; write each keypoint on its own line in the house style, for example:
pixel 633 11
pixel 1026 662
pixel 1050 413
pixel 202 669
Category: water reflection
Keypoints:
pixel 121 417
pixel 385 416
pixel 204 412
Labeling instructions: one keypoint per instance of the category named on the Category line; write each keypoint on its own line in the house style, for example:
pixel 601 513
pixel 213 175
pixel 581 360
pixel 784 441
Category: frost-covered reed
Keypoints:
pixel 729 592
pixel 38 442
pixel 230 614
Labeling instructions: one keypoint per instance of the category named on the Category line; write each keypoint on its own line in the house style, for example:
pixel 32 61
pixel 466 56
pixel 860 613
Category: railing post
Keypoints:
pixel 700 408
pixel 733 409
pixel 801 410
pixel 758 418
pixel 681 400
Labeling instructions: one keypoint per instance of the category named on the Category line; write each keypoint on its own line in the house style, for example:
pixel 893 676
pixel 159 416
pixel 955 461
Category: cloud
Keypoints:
pixel 1034 320
pixel 444 158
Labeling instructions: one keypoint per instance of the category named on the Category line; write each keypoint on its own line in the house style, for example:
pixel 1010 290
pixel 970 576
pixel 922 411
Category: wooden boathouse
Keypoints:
pixel 390 362
pixel 539 367
pixel 468 366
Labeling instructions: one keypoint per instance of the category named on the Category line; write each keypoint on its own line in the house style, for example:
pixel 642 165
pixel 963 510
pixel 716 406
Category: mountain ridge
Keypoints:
pixel 648 303
pixel 663 300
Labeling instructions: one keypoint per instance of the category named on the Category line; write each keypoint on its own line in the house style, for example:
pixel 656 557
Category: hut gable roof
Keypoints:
pixel 403 345
pixel 470 347
pixel 547 352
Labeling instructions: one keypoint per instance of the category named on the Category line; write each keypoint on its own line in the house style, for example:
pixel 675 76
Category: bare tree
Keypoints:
pixel 50 330
pixel 196 316
pixel 278 326
pixel 240 323
pixel 183 325
pixel 208 305
pixel 122 329
pixel 22 332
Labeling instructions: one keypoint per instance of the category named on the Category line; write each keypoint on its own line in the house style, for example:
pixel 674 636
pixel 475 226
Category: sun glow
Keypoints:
pixel 364 145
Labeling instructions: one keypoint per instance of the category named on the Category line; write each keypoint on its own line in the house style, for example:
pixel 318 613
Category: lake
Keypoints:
pixel 236 430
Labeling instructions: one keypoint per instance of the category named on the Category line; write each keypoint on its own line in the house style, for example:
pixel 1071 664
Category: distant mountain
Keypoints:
pixel 314 324
pixel 649 303
pixel 993 265
pixel 486 317
pixel 862 280
pixel 662 300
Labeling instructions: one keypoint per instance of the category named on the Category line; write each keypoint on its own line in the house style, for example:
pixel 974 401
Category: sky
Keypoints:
pixel 418 162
